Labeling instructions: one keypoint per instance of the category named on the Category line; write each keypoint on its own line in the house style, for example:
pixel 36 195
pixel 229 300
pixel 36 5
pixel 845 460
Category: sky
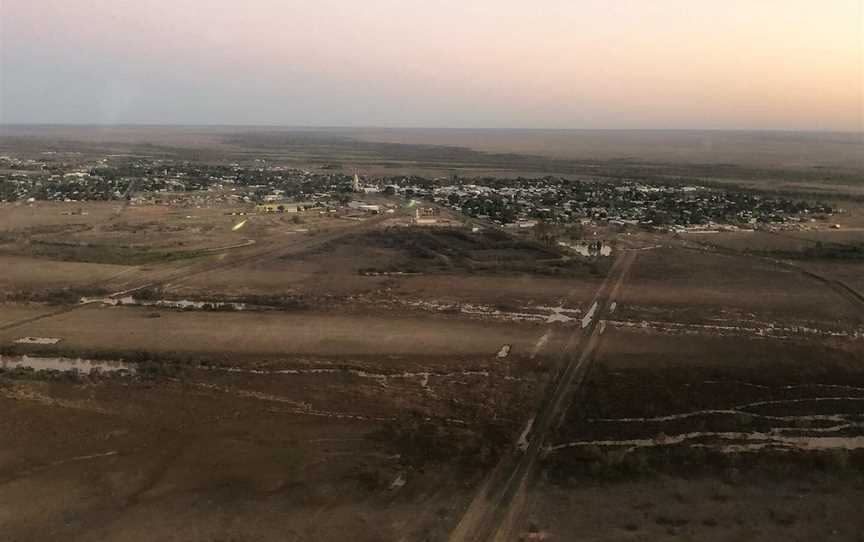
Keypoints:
pixel 581 64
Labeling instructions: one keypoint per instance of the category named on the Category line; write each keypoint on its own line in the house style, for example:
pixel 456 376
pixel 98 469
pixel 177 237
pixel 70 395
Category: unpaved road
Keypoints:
pixel 496 508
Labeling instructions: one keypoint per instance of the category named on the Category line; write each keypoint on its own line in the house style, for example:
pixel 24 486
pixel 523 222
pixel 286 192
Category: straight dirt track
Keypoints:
pixel 496 508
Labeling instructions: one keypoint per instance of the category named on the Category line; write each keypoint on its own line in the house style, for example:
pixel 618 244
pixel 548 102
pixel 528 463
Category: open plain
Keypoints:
pixel 182 365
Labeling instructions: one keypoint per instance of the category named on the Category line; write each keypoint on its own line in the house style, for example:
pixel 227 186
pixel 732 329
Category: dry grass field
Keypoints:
pixel 375 374
pixel 304 378
pixel 334 388
pixel 713 419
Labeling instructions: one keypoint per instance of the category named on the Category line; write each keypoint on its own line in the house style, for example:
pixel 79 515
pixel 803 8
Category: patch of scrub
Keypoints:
pixel 291 406
pixel 85 366
pixel 423 377
pixel 399 482
pixel 38 340
pixel 787 387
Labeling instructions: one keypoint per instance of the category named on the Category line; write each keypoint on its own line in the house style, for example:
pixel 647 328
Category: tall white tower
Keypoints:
pixel 355 184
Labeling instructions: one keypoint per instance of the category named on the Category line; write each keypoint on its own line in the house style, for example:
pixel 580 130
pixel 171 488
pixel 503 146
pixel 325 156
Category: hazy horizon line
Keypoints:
pixel 441 128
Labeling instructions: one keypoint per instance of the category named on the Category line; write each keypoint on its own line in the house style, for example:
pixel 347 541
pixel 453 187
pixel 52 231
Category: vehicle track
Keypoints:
pixel 497 506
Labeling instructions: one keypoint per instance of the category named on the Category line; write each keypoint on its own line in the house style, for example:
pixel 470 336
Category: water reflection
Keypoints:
pixel 589 249
pixel 84 366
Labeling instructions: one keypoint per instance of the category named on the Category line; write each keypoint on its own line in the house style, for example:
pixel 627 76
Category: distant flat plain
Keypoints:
pixel 763 149
pixel 756 148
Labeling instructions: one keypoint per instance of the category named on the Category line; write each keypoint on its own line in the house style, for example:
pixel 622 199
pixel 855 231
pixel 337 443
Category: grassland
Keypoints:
pixel 304 381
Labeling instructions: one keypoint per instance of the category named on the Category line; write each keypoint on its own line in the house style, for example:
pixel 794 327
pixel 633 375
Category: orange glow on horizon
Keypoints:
pixel 787 64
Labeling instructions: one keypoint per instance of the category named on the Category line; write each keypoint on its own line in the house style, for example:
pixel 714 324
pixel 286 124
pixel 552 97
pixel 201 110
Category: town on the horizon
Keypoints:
pixel 509 202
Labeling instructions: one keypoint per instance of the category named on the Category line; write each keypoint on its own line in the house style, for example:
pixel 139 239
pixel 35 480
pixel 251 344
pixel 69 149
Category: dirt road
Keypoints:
pixel 495 510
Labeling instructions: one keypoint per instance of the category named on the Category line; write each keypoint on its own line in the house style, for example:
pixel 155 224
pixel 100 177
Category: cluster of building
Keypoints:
pixel 508 202
pixel 525 202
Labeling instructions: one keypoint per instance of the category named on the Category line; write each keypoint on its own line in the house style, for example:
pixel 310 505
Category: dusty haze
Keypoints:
pixel 781 150
pixel 737 64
